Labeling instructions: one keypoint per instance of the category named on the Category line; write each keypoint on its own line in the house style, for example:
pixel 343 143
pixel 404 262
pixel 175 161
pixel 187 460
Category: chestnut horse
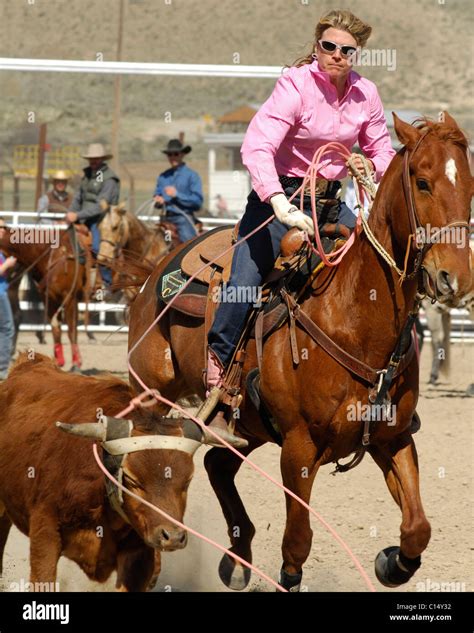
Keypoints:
pixel 61 281
pixel 362 306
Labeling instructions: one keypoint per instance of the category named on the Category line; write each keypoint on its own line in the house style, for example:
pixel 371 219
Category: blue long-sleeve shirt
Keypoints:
pixel 188 187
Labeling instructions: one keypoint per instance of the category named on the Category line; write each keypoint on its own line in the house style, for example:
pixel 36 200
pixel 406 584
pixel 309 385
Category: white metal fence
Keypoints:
pixel 105 314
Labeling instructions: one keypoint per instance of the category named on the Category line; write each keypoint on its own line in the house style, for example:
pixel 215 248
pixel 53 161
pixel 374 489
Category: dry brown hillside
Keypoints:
pixel 432 38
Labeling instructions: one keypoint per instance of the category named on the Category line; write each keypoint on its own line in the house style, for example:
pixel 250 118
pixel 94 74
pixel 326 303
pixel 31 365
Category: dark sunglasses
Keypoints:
pixel 174 153
pixel 330 47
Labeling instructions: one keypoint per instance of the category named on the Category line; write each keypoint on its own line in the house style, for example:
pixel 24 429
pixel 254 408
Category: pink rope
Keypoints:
pixel 259 470
pixel 311 175
pixel 181 525
pixel 335 257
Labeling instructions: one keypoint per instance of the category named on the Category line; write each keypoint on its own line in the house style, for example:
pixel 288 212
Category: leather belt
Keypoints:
pixel 324 188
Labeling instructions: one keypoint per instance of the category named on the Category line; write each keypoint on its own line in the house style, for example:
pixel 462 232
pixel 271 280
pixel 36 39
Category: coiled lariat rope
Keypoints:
pixel 364 187
pixel 329 259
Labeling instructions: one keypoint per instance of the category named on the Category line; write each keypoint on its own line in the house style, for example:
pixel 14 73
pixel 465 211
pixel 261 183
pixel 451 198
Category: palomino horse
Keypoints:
pixel 124 237
pixel 362 306
pixel 61 281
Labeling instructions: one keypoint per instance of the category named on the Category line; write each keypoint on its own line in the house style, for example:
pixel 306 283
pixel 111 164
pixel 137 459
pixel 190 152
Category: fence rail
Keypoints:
pixel 462 327
pixel 139 68
pixel 208 222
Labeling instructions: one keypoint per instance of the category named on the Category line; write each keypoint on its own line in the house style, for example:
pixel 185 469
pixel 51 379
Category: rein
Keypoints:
pixel 412 244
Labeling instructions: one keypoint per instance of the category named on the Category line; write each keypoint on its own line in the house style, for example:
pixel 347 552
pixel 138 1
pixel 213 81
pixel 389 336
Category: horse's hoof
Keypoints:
pixel 75 369
pixel 290 582
pixel 233 574
pixel 392 568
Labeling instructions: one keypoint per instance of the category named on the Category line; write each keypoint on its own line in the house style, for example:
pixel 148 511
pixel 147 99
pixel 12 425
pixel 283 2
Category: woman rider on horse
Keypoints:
pixel 318 100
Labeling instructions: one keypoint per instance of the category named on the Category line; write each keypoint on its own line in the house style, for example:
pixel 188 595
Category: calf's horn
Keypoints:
pixel 191 430
pixel 94 430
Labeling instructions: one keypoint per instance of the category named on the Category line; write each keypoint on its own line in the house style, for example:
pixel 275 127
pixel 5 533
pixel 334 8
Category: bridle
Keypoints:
pixel 420 249
pixel 413 244
pixel 118 244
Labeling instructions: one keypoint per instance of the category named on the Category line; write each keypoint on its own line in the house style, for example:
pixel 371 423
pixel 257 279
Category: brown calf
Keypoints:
pixel 52 490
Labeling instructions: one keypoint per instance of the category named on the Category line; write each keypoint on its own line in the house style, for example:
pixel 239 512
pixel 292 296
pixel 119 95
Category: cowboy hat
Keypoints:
pixel 175 146
pixel 96 150
pixel 60 175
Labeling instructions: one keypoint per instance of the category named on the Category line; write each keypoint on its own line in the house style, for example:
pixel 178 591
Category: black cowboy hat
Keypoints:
pixel 175 145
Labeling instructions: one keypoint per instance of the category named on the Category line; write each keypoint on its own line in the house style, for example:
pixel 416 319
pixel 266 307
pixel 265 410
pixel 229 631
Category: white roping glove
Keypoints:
pixel 290 215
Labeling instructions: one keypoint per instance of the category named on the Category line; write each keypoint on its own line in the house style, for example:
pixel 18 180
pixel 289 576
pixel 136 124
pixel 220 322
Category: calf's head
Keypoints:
pixel 154 458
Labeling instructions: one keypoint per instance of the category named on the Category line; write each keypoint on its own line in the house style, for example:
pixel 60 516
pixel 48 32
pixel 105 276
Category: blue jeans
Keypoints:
pixel 184 223
pixel 105 272
pixel 252 262
pixel 7 332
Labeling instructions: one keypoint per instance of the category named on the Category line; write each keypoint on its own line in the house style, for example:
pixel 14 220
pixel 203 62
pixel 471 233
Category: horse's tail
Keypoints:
pixel 445 364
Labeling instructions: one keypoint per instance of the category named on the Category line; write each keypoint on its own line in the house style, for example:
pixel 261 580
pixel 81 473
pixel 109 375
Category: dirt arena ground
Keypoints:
pixel 356 504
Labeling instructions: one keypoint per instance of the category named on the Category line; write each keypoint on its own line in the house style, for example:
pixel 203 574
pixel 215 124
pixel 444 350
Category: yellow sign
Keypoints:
pixel 25 160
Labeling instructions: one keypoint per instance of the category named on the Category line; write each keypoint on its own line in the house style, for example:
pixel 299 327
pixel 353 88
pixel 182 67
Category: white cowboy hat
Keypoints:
pixel 96 150
pixel 61 174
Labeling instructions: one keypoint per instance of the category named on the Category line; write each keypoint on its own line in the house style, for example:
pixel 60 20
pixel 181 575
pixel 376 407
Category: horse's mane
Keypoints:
pixel 137 225
pixel 442 131
pixel 133 272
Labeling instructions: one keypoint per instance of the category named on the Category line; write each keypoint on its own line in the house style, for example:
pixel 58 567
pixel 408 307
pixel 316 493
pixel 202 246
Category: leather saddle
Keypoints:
pixel 80 241
pixel 208 250
pixel 292 269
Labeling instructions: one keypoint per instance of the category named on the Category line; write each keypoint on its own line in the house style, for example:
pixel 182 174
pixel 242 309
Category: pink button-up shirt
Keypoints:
pixel 302 114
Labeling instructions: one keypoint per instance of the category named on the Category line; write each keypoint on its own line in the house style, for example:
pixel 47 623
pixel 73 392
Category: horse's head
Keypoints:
pixel 113 232
pixel 441 187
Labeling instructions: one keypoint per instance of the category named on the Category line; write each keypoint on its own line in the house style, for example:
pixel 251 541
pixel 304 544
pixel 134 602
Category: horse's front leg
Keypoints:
pixel 71 314
pixel 399 463
pixel 298 468
pixel 55 320
pixel 222 466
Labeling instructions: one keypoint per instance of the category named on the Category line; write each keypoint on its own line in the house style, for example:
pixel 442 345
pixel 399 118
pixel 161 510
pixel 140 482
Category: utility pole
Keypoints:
pixel 117 92
pixel 40 164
